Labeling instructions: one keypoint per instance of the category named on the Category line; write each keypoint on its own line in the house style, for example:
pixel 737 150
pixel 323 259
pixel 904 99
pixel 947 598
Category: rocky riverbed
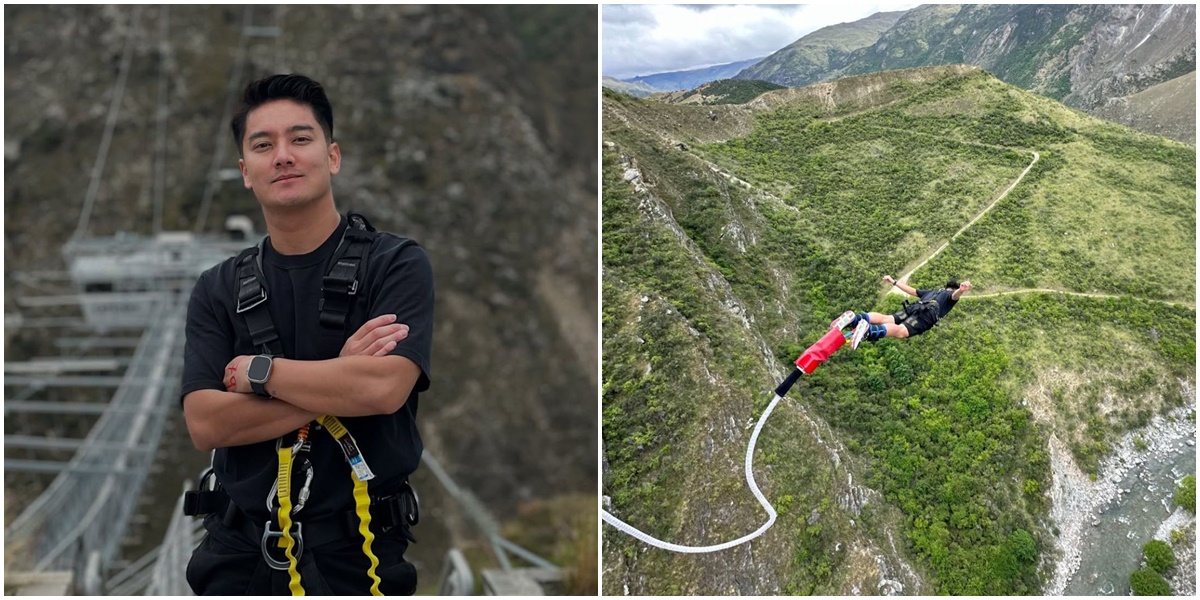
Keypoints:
pixel 1103 523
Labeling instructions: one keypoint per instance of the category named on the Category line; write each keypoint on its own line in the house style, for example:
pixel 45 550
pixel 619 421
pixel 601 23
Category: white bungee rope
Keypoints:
pixel 771 514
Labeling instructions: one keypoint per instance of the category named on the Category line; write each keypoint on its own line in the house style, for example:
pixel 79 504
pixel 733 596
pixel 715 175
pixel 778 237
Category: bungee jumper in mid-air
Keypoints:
pixel 914 318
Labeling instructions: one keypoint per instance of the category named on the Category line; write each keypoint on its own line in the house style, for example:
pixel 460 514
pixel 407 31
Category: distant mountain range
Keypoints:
pixel 640 89
pixel 1085 55
pixel 677 80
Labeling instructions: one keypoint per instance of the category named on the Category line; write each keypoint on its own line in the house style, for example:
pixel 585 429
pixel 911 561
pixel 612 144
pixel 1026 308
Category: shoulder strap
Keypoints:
pixel 252 301
pixel 340 286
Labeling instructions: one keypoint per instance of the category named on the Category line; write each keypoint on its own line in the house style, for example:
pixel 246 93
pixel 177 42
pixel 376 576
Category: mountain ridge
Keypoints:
pixel 1083 55
pixel 802 62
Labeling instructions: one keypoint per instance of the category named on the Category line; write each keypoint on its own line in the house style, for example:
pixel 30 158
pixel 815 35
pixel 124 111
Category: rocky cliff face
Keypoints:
pixel 1129 49
pixel 470 129
pixel 1082 55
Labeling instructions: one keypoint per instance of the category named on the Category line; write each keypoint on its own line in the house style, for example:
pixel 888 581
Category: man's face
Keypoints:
pixel 286 159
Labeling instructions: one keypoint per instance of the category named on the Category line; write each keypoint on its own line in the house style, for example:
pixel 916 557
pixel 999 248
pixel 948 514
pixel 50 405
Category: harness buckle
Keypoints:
pixel 268 540
pixel 411 507
pixel 262 297
pixel 205 499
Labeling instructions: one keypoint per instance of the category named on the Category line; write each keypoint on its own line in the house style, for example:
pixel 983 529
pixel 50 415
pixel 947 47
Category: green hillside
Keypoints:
pixel 721 91
pixel 809 58
pixel 727 255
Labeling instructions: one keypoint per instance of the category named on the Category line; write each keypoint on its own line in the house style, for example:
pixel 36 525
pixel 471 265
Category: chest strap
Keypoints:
pixel 343 281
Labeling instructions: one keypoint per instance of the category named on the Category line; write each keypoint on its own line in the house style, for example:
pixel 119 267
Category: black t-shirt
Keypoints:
pixel 398 281
pixel 944 297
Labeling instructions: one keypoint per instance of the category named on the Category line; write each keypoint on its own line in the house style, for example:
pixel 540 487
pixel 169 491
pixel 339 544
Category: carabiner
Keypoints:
pixel 302 497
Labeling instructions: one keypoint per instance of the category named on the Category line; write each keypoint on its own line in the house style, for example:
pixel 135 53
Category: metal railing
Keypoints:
pixel 87 508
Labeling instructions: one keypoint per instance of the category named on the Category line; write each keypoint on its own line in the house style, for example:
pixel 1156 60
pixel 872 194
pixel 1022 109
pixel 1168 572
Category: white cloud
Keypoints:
pixel 645 39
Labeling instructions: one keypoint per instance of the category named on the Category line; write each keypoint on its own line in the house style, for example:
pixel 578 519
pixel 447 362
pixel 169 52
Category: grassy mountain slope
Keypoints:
pixel 785 212
pixel 1167 109
pixel 807 59
pixel 681 383
pixel 722 91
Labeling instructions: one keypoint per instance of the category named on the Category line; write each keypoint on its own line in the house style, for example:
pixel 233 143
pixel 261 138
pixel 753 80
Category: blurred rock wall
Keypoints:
pixel 471 129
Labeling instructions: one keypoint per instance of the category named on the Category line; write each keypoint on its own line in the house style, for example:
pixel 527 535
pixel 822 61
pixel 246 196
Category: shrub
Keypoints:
pixel 1185 494
pixel 1177 536
pixel 1159 555
pixel 1145 582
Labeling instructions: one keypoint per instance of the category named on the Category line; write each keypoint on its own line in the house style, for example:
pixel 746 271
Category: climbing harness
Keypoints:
pixel 928 312
pixel 339 287
pixel 808 362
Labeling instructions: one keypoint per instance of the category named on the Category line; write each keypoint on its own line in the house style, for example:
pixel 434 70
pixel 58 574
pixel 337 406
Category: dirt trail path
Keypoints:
pixel 929 257
pixel 1070 293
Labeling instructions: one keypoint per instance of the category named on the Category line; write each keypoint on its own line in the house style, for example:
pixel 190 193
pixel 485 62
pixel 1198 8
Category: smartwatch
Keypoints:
pixel 258 374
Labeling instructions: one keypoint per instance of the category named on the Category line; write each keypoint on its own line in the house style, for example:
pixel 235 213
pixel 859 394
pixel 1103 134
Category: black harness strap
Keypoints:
pixel 252 301
pixel 340 285
pixel 347 271
pixel 927 312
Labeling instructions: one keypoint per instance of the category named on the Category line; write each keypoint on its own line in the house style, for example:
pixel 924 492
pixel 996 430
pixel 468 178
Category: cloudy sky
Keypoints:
pixel 644 39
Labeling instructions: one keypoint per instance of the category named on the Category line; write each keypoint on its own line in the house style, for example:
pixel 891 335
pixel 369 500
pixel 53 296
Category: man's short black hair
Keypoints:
pixel 293 87
pixel 952 285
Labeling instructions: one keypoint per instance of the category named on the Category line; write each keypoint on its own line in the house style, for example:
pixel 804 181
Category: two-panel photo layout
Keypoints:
pixel 834 299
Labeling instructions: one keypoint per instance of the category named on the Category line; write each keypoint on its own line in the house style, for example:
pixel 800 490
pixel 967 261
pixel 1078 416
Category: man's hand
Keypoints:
pixel 964 286
pixel 889 279
pixel 376 337
pixel 235 375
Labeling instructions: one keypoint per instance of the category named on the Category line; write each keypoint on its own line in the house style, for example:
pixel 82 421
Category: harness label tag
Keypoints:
pixel 350 450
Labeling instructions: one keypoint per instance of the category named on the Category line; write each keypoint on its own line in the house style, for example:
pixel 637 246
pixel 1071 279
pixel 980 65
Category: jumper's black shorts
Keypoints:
pixel 913 323
pixel 227 563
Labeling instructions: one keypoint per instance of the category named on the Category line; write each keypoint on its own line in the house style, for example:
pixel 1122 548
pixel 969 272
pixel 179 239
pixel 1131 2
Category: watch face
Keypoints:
pixel 260 367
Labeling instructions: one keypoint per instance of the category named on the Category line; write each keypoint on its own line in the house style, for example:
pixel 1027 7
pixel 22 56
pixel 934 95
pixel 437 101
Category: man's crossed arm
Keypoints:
pixel 363 380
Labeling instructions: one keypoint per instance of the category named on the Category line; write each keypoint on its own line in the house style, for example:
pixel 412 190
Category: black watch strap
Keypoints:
pixel 260 389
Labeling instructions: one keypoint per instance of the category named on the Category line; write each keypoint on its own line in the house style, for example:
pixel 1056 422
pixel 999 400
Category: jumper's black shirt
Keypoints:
pixel 398 281
pixel 944 297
